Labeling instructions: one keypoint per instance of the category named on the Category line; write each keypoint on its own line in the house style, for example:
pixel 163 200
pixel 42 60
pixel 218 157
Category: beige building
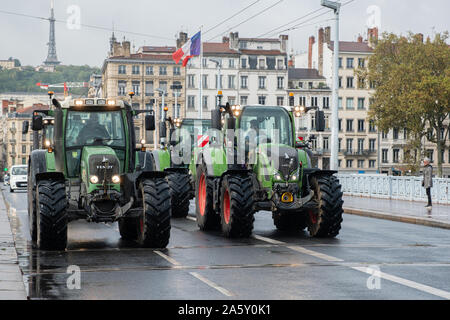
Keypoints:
pixel 144 72
pixel 15 146
pixel 7 64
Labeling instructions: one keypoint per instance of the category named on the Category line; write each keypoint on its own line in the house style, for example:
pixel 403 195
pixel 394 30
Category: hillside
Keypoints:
pixel 25 80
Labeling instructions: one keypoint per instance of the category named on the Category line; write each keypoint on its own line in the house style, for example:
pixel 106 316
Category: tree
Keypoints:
pixel 412 79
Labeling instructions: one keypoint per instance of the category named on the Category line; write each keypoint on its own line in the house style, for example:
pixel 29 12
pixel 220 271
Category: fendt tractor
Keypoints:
pixel 254 162
pixel 175 157
pixel 91 170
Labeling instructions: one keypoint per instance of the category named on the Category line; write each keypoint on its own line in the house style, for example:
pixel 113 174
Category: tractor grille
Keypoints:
pixel 103 166
pixel 287 160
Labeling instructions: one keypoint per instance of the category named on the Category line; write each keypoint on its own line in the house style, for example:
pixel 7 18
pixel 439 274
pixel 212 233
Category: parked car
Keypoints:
pixel 18 178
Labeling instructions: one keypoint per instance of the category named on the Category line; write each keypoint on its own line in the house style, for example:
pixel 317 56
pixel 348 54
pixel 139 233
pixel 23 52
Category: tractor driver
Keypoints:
pixel 93 129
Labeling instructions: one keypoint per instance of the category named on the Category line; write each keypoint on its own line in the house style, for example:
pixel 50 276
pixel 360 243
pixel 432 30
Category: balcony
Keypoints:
pixel 361 153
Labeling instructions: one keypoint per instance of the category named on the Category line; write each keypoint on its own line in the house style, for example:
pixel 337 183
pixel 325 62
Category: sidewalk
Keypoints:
pixel 11 282
pixel 399 210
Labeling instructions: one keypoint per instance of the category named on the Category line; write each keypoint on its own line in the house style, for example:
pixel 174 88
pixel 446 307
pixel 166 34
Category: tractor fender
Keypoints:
pixel 37 165
pixel 149 175
pixel 314 172
pixel 149 162
pixel 161 159
pixel 216 156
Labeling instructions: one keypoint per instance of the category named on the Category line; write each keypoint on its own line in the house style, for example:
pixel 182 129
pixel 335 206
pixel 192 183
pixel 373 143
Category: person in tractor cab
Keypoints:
pixel 93 130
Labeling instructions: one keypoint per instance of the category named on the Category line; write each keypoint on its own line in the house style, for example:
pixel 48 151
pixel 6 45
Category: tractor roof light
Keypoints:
pixel 79 102
pixel 101 101
pixel 111 102
pixel 89 102
pixel 236 110
pixel 178 122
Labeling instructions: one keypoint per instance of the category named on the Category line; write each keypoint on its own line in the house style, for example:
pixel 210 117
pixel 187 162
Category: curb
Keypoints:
pixel 398 218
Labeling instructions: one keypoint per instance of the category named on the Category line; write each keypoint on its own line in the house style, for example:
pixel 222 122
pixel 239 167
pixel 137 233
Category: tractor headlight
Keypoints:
pixel 294 176
pixel 94 179
pixel 278 176
pixel 115 179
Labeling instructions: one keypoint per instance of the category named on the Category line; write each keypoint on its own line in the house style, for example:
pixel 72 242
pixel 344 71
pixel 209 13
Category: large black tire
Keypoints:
pixel 289 221
pixel 129 228
pixel 328 195
pixel 207 218
pixel 31 199
pixel 180 192
pixel 11 189
pixel 51 215
pixel 236 206
pixel 154 223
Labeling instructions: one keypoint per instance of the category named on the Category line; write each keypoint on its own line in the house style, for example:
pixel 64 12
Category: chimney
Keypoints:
pixel 327 35
pixel 360 39
pixel 321 41
pixel 284 40
pixel 234 40
pixel 372 35
pixel 225 39
pixel 182 39
pixel 126 48
pixel 312 40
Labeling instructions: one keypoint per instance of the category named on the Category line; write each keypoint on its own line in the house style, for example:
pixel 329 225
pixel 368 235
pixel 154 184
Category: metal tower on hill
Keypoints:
pixel 52 59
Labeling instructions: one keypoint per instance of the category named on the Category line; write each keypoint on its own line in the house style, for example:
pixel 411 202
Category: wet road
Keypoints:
pixel 370 259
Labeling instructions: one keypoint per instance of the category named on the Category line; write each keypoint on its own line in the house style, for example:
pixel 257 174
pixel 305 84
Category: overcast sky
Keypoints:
pixel 26 38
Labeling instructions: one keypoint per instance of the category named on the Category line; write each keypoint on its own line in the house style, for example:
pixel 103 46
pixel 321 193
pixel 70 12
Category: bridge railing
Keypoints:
pixel 392 187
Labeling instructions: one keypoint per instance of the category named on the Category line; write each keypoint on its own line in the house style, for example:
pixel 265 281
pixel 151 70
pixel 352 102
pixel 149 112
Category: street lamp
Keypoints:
pixel 177 93
pixel 219 80
pixel 335 6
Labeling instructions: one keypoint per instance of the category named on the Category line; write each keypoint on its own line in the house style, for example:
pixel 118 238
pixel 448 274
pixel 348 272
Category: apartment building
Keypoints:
pixel 152 75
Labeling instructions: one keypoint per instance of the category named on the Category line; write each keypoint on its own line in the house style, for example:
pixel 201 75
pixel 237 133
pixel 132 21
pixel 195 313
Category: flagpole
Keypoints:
pixel 200 111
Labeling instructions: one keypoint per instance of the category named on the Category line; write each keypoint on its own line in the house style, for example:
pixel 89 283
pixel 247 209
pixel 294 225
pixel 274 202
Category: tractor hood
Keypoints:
pixel 100 161
pixel 282 158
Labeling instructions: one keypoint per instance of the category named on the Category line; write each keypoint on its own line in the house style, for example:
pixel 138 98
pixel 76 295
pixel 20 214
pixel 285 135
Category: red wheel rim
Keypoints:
pixel 312 217
pixel 226 207
pixel 202 194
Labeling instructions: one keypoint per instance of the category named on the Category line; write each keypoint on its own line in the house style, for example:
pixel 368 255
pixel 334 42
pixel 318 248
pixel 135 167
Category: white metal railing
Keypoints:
pixel 392 187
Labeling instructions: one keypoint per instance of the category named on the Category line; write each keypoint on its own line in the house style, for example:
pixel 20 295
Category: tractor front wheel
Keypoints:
pixel 180 190
pixel 51 215
pixel 326 220
pixel 207 218
pixel 236 209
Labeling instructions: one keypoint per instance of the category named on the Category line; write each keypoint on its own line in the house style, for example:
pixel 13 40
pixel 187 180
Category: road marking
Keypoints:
pixel 407 283
pixel 315 254
pixel 171 260
pixel 268 240
pixel 191 218
pixel 212 284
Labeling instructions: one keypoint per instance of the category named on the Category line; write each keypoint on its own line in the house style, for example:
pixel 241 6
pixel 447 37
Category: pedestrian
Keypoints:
pixel 427 181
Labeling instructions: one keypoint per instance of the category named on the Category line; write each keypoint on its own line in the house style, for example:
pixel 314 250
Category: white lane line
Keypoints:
pixel 171 260
pixel 268 240
pixel 191 218
pixel 315 254
pixel 212 284
pixel 407 283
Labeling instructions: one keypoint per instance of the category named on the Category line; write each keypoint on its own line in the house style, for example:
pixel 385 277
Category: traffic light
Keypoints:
pixel 291 99
pixel 6 169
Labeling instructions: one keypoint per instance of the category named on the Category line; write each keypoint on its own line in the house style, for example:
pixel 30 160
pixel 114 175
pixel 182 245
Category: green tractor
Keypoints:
pixel 254 163
pixel 175 158
pixel 92 170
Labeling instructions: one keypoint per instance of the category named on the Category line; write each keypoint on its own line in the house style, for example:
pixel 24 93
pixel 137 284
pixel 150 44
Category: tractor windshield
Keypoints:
pixel 93 129
pixel 196 128
pixel 271 124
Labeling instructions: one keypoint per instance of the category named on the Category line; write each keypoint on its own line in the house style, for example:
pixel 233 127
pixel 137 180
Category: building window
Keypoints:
pixel 191 102
pixel 217 81
pixel 372 164
pixel 395 134
pixel 361 125
pixel 149 70
pixel 326 102
pixel 280 101
pixel 262 100
pixel 262 64
pixel 24 149
pixel 350 145
pixel 205 102
pixel 162 70
pixel 176 71
pixel 430 153
pixel 340 103
pixel 24 137
pixel 122 87
pixel 384 155
pixel 349 163
pixel 360 145
pixel 122 69
pixel 191 81
pixel 231 63
pixel 349 82
pixel 361 83
pixel 361 62
pixel 205 81
pixel 244 82
pixel 149 88
pixel 395 155
pixel 349 125
pixel 280 64
pixel 339 144
pixel 280 83
pixel 205 62
pixel 262 82
pixel 350 104
pixel 372 127
pixel 135 70
pixel 340 124
pixel 340 63
pixel 232 100
pixel 384 135
pixel 361 164
pixel 302 101
pixel 244 63
pixel 361 105
pixel 340 163
pixel 372 143
pixel 314 102
pixel 231 81
pixel 350 63
pixel 340 82
pixel 244 100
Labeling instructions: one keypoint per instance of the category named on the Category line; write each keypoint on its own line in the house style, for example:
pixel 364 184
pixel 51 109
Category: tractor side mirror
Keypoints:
pixel 216 119
pixel 162 130
pixel 37 123
pixel 320 121
pixel 150 122
pixel 25 127
pixel 231 123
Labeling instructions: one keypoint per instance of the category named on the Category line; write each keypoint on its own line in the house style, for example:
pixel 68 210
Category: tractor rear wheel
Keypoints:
pixel 154 223
pixel 51 214
pixel 207 218
pixel 31 196
pixel 180 191
pixel 236 206
pixel 289 221
pixel 326 221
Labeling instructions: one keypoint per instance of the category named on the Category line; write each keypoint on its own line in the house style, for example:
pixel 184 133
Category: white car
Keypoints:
pixel 18 177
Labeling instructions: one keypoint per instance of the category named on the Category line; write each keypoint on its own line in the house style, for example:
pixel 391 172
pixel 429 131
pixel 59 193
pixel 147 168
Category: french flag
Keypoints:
pixel 189 49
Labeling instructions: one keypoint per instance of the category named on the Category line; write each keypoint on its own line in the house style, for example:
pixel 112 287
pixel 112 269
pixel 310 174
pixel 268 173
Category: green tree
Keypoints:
pixel 412 79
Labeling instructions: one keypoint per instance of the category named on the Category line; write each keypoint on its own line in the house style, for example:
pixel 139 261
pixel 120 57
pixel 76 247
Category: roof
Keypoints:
pixel 165 49
pixel 218 48
pixel 351 46
pixel 304 74
pixel 262 52
pixel 260 39
pixel 143 56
